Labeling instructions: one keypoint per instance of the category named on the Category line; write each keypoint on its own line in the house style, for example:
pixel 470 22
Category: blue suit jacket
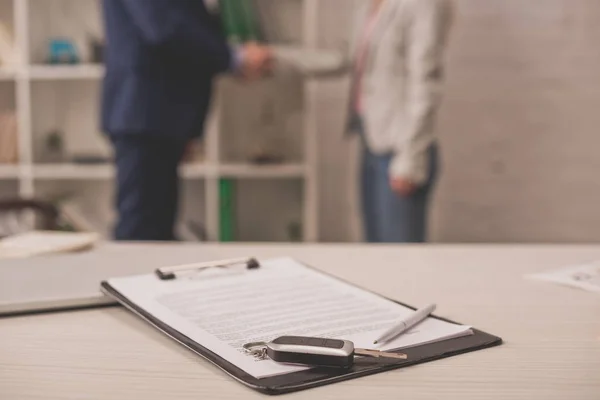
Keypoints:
pixel 161 57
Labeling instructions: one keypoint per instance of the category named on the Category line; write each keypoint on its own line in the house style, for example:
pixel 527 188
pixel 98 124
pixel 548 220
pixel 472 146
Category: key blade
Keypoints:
pixel 379 354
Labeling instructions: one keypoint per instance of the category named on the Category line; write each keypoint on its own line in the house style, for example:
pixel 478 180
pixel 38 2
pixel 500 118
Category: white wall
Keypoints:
pixel 519 127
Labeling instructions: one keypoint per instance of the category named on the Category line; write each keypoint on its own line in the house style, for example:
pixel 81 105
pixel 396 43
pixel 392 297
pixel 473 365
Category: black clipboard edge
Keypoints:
pixel 309 379
pixel 51 310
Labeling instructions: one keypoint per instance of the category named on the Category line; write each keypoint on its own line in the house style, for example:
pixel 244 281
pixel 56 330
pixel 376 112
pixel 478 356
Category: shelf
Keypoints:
pixel 64 97
pixel 73 171
pixel 66 72
pixel 9 171
pixel 259 171
pixel 194 171
pixel 101 171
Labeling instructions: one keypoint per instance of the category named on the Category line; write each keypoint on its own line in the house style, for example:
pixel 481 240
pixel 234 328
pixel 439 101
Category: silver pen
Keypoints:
pixel 406 324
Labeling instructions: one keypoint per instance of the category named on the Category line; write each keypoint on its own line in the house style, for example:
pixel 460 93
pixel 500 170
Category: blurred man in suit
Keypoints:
pixel 161 58
pixel 397 76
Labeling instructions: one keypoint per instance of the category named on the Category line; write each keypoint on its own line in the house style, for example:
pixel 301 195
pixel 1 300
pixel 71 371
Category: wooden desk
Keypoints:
pixel 551 333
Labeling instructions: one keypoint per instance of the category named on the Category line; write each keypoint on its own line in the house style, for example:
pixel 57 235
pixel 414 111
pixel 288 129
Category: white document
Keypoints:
pixel 585 276
pixel 224 309
pixel 40 243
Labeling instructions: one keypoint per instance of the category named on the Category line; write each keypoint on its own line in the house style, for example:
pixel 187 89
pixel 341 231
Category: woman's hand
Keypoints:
pixel 403 186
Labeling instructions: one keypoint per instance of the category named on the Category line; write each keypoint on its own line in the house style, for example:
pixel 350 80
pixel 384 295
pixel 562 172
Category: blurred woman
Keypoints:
pixel 396 79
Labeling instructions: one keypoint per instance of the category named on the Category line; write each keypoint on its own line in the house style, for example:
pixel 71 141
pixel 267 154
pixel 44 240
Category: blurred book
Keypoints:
pixel 8 54
pixel 9 140
pixel 239 20
pixel 241 26
pixel 227 216
pixel 37 243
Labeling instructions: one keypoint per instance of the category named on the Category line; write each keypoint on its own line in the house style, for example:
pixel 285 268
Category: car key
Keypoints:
pixel 320 352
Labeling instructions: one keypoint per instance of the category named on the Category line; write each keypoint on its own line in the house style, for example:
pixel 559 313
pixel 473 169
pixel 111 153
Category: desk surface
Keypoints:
pixel 551 333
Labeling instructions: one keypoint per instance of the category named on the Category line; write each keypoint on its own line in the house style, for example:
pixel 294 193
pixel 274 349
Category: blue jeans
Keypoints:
pixel 389 217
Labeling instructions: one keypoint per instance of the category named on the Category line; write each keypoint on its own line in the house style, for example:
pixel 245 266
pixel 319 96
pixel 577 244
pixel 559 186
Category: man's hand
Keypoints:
pixel 257 61
pixel 402 186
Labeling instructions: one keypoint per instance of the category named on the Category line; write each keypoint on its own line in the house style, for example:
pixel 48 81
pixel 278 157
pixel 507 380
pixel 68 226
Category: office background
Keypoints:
pixel 518 127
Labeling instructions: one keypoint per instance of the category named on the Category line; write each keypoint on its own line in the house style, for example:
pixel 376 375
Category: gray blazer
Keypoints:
pixel 402 81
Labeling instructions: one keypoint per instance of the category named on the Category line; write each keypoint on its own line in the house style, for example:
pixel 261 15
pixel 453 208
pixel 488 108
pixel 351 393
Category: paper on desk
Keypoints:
pixel 223 310
pixel 585 276
pixel 41 242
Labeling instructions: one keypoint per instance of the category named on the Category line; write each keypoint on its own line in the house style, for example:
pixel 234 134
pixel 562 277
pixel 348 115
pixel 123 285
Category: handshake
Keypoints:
pixel 256 61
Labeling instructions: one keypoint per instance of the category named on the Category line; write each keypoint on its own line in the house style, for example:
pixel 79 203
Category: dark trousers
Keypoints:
pixel 147 192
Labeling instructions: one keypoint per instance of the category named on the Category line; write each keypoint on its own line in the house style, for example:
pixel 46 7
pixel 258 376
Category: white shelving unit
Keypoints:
pixel 189 171
pixel 55 73
pixel 7 75
pixel 66 97
pixel 9 172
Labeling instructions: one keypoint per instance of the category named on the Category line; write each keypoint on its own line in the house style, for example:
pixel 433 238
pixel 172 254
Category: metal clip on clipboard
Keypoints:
pixel 170 273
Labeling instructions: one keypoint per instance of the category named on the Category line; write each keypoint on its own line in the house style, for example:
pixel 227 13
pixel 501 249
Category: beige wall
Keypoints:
pixel 519 127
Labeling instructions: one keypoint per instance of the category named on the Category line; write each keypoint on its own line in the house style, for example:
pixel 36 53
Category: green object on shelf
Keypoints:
pixel 239 21
pixel 240 24
pixel 227 210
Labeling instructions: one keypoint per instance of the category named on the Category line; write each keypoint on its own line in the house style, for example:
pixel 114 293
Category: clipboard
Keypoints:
pixel 316 377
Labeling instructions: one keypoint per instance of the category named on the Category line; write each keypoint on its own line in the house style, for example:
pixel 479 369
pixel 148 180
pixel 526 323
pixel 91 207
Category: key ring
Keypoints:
pixel 256 349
